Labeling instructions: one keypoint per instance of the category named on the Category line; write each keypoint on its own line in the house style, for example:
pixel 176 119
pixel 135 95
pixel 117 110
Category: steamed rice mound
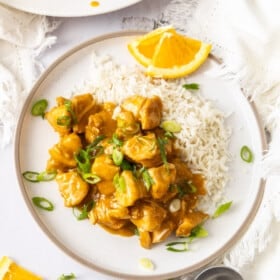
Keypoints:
pixel 203 140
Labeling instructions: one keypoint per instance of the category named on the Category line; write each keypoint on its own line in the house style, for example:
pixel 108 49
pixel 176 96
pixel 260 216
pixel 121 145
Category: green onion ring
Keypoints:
pixel 91 178
pixel 117 157
pixel 170 246
pixel 46 176
pixel 31 176
pixel 246 154
pixel 39 108
pixel 42 203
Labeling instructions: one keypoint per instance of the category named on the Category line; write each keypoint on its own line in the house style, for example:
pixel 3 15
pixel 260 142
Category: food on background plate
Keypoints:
pixel 167 54
pixel 9 270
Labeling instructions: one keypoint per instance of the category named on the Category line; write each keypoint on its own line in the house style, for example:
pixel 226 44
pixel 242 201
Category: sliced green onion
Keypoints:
pixel 91 178
pixel 39 108
pixel 117 157
pixel 222 209
pixel 83 213
pixel 177 246
pixel 161 144
pixel 94 152
pixel 96 141
pixel 171 126
pixel 83 161
pixel 35 177
pixel 191 187
pixel 146 263
pixel 46 176
pixel 122 184
pixel 246 154
pixel 193 86
pixel 169 135
pixel 119 183
pixel 71 276
pixel 126 165
pixel 116 141
pixel 198 232
pixel 94 149
pixel 184 187
pixel 147 179
pixel 31 176
pixel 68 105
pixel 42 203
pixel 64 121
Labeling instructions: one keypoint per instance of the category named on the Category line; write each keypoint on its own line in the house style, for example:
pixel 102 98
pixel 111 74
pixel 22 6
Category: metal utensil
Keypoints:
pixel 219 273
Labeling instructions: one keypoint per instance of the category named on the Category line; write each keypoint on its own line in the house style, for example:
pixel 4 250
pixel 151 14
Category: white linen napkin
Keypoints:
pixel 23 37
pixel 246 36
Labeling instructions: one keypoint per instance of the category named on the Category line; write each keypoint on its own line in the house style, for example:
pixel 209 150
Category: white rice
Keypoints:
pixel 203 140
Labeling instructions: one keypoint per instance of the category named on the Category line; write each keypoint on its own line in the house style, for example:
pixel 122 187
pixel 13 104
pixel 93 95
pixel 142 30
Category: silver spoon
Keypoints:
pixel 219 273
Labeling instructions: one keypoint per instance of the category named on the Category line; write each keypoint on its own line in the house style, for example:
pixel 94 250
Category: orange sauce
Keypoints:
pixel 94 3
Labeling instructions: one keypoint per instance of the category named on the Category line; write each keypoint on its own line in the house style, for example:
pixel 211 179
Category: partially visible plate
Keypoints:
pixel 115 255
pixel 69 8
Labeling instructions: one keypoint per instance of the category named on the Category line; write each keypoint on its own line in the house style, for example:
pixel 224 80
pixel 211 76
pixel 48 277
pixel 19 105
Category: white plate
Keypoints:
pixel 68 8
pixel 117 255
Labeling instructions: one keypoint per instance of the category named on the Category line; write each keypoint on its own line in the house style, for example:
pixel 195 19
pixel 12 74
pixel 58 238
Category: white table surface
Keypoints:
pixel 20 236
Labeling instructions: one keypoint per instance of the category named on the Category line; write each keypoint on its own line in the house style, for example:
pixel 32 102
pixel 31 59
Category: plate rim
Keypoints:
pixel 229 244
pixel 43 12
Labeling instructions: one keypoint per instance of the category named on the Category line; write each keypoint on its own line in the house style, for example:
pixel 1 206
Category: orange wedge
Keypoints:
pixel 9 270
pixel 167 54
pixel 143 48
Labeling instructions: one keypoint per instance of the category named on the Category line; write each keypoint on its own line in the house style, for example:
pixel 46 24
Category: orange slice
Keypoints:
pixel 143 48
pixel 167 54
pixel 9 270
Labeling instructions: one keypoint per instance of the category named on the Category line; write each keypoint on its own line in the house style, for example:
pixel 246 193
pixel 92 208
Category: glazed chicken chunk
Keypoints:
pixel 147 110
pixel 131 190
pixel 162 177
pixel 109 213
pixel 62 154
pixel 72 188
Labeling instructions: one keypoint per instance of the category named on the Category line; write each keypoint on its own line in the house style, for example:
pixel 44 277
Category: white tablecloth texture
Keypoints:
pixel 245 35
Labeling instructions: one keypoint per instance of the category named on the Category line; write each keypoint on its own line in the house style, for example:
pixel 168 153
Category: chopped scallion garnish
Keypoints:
pixel 68 105
pixel 64 121
pixel 116 141
pixel 46 176
pixel 43 203
pixel 171 126
pixel 39 108
pixel 83 213
pixel 91 178
pixel 67 277
pixel 246 154
pixel 192 86
pixel 83 161
pixel 147 179
pixel 126 165
pixel 161 144
pixel 222 209
pixel 177 246
pixel 198 232
pixel 36 177
pixel 119 183
pixel 31 176
pixel 117 157
pixel 146 263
